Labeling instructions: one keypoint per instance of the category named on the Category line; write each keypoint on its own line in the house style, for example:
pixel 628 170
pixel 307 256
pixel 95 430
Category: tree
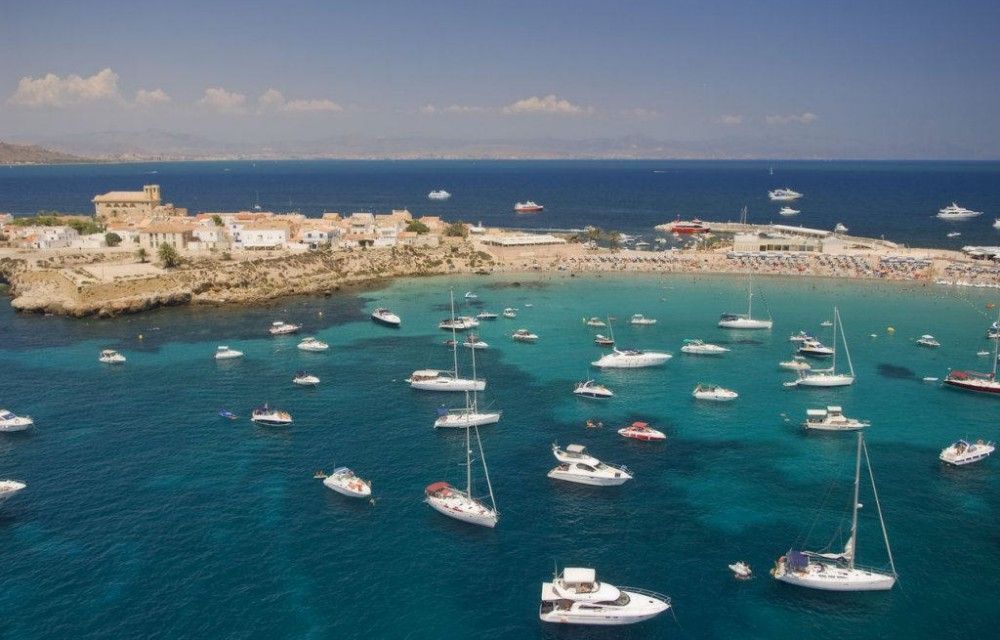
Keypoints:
pixel 456 230
pixel 417 226
pixel 614 239
pixel 112 239
pixel 141 255
pixel 169 256
pixel 217 219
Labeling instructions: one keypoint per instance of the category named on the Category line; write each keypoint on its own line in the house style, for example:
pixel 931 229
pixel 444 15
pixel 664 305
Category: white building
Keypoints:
pixel 39 237
pixel 260 235
pixel 759 242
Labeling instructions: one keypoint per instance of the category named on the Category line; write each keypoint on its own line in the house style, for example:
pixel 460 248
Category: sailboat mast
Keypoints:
pixel 878 507
pixel 468 464
pixel 996 349
pixel 843 337
pixel 486 471
pixel 475 403
pixel 854 510
pixel 454 337
pixel 750 296
pixel 836 321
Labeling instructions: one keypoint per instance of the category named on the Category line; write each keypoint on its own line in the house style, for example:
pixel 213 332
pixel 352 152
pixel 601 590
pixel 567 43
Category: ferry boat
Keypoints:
pixel 385 317
pixel 591 389
pixel 688 227
pixel 788 211
pixel 346 483
pixel 528 207
pixel 576 597
pixel 439 194
pixel 955 212
pixel 222 352
pixel 110 356
pixel 641 431
pixel 963 452
pixel 279 328
pixel 783 195
pixel 631 359
pixel 832 419
pixel 11 423
pixel 267 416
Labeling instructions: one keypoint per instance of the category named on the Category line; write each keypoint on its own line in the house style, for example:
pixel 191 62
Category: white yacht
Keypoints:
pixel 10 422
pixel 279 328
pixel 996 223
pixel 471 295
pixel 469 415
pixel 797 363
pixel 510 313
pixel 523 335
pixel 953 234
pixel 438 194
pixel 702 348
pixel 955 212
pixel 815 348
pixel 576 597
pixel 346 483
pixel 222 352
pixel 596 475
pixel 462 505
pixel 110 356
pixel 459 323
pixel 313 344
pixel 386 317
pixel 595 322
pixel 591 389
pixel 840 228
pixel 631 359
pixel 788 211
pixel 828 377
pixel 8 488
pixel 928 340
pixel 472 341
pixel 745 321
pixel 305 379
pixel 783 195
pixel 639 319
pixel 714 393
pixel 832 419
pixel 271 417
pixel 964 452
pixel 837 571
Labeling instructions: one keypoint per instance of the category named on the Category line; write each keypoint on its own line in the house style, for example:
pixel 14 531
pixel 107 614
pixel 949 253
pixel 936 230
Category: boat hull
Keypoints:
pixel 466 420
pixel 965 385
pixel 826 381
pixel 746 324
pixel 839 579
pixel 592 481
pixel 387 322
pixel 484 518
pixel 450 385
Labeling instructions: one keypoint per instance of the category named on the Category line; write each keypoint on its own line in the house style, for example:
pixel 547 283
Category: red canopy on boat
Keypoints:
pixel 435 487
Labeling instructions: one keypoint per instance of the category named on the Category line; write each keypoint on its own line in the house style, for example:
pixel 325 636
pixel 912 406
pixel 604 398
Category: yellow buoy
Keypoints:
pixel 890 330
pixel 140 336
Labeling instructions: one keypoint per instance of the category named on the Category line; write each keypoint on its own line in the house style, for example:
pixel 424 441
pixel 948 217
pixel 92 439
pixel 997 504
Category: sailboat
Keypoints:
pixel 469 415
pixel 828 377
pixel 838 571
pixel 458 504
pixel 975 381
pixel 741 321
pixel 437 380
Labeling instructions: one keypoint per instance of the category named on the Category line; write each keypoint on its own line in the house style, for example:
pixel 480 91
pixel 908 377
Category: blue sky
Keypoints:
pixel 903 79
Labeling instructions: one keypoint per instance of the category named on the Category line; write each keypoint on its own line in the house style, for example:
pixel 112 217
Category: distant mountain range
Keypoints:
pixel 32 154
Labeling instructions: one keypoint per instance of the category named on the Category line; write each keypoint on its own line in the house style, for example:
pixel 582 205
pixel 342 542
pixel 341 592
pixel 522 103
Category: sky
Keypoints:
pixel 823 79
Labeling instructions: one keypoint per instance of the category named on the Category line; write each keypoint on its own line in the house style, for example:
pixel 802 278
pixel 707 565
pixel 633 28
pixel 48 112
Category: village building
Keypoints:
pixel 176 234
pixel 133 204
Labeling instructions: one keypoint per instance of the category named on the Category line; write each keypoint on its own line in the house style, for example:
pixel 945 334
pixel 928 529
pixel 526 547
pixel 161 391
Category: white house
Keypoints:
pixel 260 235
pixel 38 237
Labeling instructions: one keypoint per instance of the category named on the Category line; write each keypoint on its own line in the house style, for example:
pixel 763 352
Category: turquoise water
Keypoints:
pixel 148 516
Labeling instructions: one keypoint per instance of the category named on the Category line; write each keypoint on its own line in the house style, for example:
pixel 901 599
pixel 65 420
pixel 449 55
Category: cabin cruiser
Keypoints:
pixel 305 379
pixel 688 227
pixel 928 340
pixel 271 417
pixel 714 393
pixel 832 419
pixel 604 341
pixel 472 341
pixel 955 212
pixel 788 211
pixel 460 323
pixel 510 313
pixel 385 317
pixel 222 352
pixel 312 344
pixel 640 319
pixel 279 328
pixel 797 363
pixel 523 335
pixel 487 315
pixel 528 207
pixel 595 322
pixel 344 482
pixel 436 380
pixel 641 431
pixel 631 359
pixel 576 597
pixel 815 348
pixel 8 488
pixel 783 195
pixel 590 389
pixel 10 422
pixel 964 452
pixel 800 337
pixel 702 348
pixel 439 194
pixel 576 465
pixel 110 356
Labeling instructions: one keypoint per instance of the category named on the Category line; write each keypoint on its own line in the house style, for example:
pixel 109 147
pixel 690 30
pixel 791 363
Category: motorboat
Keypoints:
pixel 955 212
pixel 523 335
pixel 832 419
pixel 783 195
pixel 702 348
pixel 279 328
pixel 631 359
pixel 528 207
pixel 313 344
pixel 964 452
pixel 469 295
pixel 459 323
pixel 573 453
pixel 788 211
pixel 800 337
pixel 928 340
pixel 227 414
pixel 385 317
pixel 591 389
pixel 346 483
pixel 10 423
pixel 110 356
pixel 604 341
pixel 827 377
pixel 641 431
pixel 993 331
pixel 797 363
pixel 595 322
pixel 487 315
pixel 953 234
pixel 305 379
pixel 840 228
pixel 826 323
pixel 576 597
pixel 639 319
pixel 838 571
pixel 688 227
pixel 996 223
pixel 472 341
pixel 596 475
pixel 815 348
pixel 745 321
pixel 9 488
pixel 462 505
pixel 741 570
pixel 436 380
pixel 439 194
pixel 268 416
pixel 510 313
pixel 222 352
pixel 714 393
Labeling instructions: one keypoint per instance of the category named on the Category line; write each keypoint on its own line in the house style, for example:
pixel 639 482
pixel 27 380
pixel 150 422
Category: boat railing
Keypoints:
pixel 646 592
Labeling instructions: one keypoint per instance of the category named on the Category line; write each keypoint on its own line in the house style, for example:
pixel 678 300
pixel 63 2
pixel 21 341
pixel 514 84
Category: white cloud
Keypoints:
pixel 223 101
pixel 151 97
pixel 51 90
pixel 274 100
pixel 803 118
pixel 732 119
pixel 548 104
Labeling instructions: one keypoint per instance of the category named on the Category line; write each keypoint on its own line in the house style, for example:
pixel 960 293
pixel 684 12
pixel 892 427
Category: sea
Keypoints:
pixel 894 200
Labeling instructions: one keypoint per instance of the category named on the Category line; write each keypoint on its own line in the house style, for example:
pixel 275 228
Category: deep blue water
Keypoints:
pixel 146 516
pixel 894 199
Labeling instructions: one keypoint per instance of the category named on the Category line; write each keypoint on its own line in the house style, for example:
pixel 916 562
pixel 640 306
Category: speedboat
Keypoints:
pixel 816 349
pixel 595 322
pixel 510 313
pixel 788 211
pixel 576 597
pixel 439 194
pixel 714 393
pixel 227 414
pixel 487 315
pixel 953 234
pixel 604 341
pixel 344 482
pixel 305 379
pixel 271 417
pixel 964 452
pixel 469 295
pixel 631 359
pixel 312 344
pixel 840 228
pixel 10 422
pixel 436 380
pixel 640 319
pixel 472 341
pixel 279 328
pixel 590 389
pixel 741 570
pixel 528 207
pixel 385 317
pixel 641 431
pixel 110 356
pixel 222 352
pixel 783 195
pixel 523 335
pixel 800 337
pixel 832 419
pixel 928 340
pixel 702 348
pixel 8 488
pixel 596 475
pixel 460 323
pixel 797 363
pixel 826 323
pixel 955 212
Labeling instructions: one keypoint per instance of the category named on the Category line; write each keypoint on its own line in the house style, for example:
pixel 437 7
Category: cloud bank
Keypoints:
pixel 52 90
